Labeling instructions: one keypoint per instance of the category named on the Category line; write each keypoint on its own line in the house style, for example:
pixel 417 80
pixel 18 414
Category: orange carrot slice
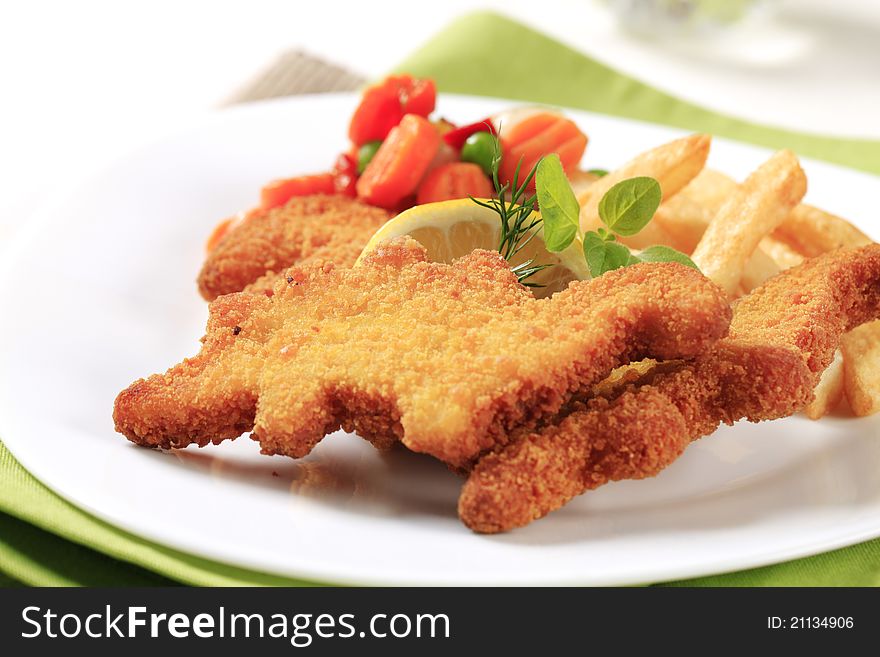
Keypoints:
pixel 536 136
pixel 399 164
pixel 279 192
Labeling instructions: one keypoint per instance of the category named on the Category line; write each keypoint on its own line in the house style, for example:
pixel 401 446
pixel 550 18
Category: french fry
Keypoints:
pixel 687 215
pixel 812 231
pixel 673 165
pixel 768 259
pixel 759 267
pixel 807 230
pixel 783 255
pixel 757 208
pixel 861 368
pixel 684 220
pixel 829 390
pixel 710 189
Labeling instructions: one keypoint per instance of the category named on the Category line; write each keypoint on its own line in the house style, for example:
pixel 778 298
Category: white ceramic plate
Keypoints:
pixel 101 291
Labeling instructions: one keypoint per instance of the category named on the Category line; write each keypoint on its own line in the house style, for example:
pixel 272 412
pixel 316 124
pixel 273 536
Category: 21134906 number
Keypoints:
pixel 810 622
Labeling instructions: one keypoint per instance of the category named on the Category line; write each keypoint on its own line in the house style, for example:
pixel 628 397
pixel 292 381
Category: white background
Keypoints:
pixel 82 81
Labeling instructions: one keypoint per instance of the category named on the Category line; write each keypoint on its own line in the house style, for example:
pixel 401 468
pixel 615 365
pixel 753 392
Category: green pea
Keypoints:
pixel 479 148
pixel 366 153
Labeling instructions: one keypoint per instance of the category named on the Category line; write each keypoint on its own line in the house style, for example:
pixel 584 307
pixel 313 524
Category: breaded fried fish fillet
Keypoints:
pixel 446 358
pixel 307 228
pixel 783 335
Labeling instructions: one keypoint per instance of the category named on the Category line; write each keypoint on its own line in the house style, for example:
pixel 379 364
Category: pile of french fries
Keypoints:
pixel 741 234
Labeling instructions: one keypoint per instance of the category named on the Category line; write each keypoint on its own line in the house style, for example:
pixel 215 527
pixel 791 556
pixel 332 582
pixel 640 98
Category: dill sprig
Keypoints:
pixel 518 223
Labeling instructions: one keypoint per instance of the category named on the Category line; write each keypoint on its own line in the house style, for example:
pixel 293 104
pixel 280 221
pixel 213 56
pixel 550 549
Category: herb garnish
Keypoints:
pixel 625 209
pixel 629 205
pixel 519 222
pixel 560 209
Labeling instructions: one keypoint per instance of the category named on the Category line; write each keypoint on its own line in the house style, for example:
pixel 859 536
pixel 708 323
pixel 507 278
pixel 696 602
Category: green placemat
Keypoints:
pixel 44 540
pixel 32 555
pixel 6 582
pixel 52 548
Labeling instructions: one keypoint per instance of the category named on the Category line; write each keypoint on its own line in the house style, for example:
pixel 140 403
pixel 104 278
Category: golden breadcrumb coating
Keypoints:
pixel 782 337
pixel 319 227
pixel 447 358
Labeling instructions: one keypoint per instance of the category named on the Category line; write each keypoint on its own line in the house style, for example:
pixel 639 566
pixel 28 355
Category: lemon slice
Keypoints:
pixel 452 229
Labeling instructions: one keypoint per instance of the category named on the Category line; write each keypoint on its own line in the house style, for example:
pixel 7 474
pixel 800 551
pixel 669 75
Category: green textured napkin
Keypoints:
pixel 45 540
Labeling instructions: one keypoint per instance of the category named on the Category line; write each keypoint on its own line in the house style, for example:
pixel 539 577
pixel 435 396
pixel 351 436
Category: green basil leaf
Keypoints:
pixel 661 253
pixel 559 208
pixel 594 253
pixel 617 255
pixel 603 256
pixel 598 172
pixel 629 205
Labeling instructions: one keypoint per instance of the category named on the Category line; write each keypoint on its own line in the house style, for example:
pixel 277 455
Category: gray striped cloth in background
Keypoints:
pixel 296 72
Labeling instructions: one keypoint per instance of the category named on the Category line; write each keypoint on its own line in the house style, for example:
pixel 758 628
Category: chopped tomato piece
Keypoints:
pixel 452 181
pixel 399 164
pixel 445 154
pixel 384 105
pixel 417 96
pixel 345 175
pixel 279 192
pixel 379 111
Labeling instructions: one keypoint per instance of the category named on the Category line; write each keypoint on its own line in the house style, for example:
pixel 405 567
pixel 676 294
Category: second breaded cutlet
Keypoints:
pixel 783 335
pixel 320 227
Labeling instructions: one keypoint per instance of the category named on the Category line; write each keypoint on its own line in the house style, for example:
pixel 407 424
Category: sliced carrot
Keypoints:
pixel 548 139
pixel 571 151
pixel 452 181
pixel 279 192
pixel 399 164
pixel 536 136
pixel 528 127
pixel 537 146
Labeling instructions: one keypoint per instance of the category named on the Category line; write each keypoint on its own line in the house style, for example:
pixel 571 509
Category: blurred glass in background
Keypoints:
pixel 692 18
